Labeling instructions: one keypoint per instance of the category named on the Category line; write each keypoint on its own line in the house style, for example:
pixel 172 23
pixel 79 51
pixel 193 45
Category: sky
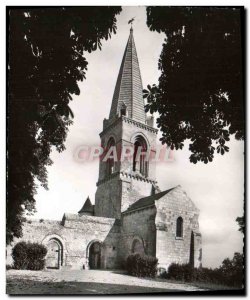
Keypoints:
pixel 217 189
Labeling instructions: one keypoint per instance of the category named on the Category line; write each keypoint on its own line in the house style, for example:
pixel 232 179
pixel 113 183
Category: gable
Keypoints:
pixel 176 199
pixel 147 201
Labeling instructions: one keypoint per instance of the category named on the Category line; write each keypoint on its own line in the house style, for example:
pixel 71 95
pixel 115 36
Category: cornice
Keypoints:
pixel 126 175
pixel 129 121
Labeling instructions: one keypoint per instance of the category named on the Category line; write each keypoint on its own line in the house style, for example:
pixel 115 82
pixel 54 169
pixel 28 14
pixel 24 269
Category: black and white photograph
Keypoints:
pixel 125 150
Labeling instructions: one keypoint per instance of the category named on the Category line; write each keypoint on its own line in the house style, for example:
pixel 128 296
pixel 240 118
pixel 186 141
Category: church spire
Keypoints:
pixel 127 96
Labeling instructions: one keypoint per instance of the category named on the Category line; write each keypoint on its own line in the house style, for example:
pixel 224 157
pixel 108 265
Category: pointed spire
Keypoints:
pixel 87 207
pixel 128 89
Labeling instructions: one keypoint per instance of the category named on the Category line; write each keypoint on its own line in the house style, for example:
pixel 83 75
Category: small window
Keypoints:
pixel 123 111
pixel 110 162
pixel 179 227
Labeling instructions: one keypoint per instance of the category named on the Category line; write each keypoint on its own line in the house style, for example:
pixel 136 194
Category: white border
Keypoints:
pixel 3 5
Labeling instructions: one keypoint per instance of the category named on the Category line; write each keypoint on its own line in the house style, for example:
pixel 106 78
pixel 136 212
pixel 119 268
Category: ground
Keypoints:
pixel 86 282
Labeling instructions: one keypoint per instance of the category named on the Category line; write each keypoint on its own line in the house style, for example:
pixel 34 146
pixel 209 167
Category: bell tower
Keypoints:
pixel 123 179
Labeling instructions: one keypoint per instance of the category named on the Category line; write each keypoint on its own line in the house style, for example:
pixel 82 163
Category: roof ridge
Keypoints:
pixel 149 200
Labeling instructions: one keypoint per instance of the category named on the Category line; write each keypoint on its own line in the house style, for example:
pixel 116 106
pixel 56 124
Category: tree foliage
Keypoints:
pixel 241 223
pixel 46 60
pixel 200 92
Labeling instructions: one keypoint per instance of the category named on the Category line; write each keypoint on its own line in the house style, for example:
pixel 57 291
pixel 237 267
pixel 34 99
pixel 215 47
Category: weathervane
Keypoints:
pixel 131 21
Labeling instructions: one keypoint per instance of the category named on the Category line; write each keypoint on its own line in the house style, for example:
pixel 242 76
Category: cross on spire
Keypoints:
pixel 131 22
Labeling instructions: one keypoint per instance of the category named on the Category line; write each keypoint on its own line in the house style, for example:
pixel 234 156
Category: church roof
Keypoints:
pixel 128 89
pixel 87 206
pixel 147 201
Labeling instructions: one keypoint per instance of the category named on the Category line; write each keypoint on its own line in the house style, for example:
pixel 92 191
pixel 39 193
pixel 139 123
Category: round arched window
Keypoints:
pixel 110 162
pixel 137 247
pixel 179 227
pixel 140 163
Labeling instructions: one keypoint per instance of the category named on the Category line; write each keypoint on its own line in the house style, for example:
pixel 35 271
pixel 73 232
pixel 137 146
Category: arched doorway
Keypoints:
pixel 95 255
pixel 54 257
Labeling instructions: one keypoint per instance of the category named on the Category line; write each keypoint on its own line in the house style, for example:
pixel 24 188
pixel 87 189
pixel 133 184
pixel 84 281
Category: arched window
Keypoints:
pixel 179 227
pixel 137 247
pixel 140 163
pixel 110 161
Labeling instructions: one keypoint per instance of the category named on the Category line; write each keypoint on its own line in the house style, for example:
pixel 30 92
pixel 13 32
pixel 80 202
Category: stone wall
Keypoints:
pixel 138 225
pixel 118 192
pixel 75 234
pixel 108 198
pixel 134 188
pixel 169 247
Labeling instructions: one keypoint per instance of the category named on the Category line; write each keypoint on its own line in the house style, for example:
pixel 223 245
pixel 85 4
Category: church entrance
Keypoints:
pixel 54 258
pixel 95 256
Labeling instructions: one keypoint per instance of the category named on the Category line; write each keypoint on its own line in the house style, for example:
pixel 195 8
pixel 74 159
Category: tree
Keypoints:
pixel 233 270
pixel 241 223
pixel 46 60
pixel 200 92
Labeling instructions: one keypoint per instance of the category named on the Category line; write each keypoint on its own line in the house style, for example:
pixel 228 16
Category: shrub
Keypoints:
pixel 29 256
pixel 185 272
pixel 141 265
pixel 230 273
pixel 207 275
pixel 19 255
pixel 180 272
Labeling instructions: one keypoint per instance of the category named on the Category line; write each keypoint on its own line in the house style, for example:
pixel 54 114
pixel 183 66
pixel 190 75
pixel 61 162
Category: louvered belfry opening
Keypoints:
pixel 128 89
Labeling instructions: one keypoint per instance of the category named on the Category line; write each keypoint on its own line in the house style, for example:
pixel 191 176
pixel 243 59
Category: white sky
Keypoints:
pixel 217 188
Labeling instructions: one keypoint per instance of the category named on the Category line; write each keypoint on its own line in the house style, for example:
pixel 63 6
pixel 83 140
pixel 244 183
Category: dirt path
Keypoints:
pixel 86 282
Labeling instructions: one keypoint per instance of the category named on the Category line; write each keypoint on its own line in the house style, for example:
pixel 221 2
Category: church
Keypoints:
pixel 131 213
